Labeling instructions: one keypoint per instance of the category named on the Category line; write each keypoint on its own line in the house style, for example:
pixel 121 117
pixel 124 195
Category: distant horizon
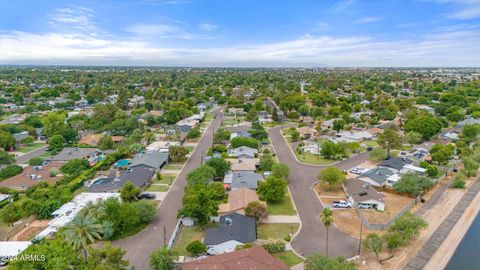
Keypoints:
pixel 212 33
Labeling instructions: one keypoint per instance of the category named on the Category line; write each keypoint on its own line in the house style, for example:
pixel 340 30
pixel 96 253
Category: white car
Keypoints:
pixel 342 204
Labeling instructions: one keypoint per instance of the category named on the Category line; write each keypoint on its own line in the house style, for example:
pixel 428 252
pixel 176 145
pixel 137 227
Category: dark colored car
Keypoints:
pixel 146 195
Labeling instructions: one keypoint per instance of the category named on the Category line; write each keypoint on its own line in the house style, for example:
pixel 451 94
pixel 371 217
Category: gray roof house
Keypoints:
pixel 380 176
pixel 20 136
pixel 69 153
pixel 153 159
pixel 362 194
pixel 396 163
pixel 140 176
pixel 243 152
pixel 233 229
pixel 242 180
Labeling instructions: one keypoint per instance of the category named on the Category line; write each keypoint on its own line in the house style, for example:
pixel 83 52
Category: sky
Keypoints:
pixel 241 33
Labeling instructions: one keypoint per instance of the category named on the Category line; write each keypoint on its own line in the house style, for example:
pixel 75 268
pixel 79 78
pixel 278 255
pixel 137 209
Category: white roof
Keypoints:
pixel 414 168
pixel 161 146
pixel 394 178
pixel 12 248
pixel 4 197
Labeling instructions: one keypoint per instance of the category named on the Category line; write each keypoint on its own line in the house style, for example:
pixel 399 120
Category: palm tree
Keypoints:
pixel 327 219
pixel 82 231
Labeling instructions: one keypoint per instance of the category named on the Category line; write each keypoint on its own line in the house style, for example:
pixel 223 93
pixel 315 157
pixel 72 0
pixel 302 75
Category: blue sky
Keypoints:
pixel 251 33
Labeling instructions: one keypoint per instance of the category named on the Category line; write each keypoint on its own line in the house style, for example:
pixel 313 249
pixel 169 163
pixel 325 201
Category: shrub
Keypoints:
pixel 458 181
pixel 196 248
pixel 274 246
pixel 36 161
pixel 9 171
pixel 432 171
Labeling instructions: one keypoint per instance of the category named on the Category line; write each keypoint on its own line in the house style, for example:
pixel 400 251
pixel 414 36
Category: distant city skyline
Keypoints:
pixel 345 33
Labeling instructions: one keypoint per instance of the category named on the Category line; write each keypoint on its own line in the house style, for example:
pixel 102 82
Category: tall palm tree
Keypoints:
pixel 82 231
pixel 327 218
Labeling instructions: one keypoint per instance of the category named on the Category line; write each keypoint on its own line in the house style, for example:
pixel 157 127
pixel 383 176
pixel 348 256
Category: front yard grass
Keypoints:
pixel 158 188
pixel 187 235
pixel 276 231
pixel 29 148
pixel 166 179
pixel 174 166
pixel 283 207
pixel 313 159
pixel 288 257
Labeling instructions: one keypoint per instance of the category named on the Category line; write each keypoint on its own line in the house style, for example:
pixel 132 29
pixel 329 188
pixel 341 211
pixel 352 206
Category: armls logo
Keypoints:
pixel 25 257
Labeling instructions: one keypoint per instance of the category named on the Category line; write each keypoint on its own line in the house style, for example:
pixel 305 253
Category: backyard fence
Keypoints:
pixel 17 228
pixel 383 226
pixel 175 233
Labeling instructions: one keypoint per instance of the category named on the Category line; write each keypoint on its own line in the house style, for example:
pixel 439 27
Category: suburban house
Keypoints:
pixel 312 148
pixel 161 146
pixel 186 124
pixel 243 152
pixel 451 135
pixel 68 153
pixel 380 176
pixel 233 229
pixel 139 175
pixel 362 194
pixel 244 134
pixel 32 175
pixel 352 136
pixel 236 180
pixel 243 164
pixel 246 259
pixel 20 136
pixel 238 199
pixel 401 165
pixel 307 132
pixel 152 159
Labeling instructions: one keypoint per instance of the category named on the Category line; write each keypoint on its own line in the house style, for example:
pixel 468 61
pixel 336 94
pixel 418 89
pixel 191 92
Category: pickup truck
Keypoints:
pixel 342 204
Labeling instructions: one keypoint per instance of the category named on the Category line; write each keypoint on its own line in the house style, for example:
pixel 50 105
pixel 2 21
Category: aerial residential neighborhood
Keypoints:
pixel 239 135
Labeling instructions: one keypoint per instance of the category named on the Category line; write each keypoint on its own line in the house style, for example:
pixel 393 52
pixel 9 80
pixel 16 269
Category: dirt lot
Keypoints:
pixel 434 217
pixel 325 190
pixel 348 221
pixel 32 230
pixel 393 205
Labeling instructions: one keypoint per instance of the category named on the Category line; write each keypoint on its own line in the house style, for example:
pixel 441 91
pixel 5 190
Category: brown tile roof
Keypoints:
pixel 361 191
pixel 117 138
pixel 24 180
pixel 255 258
pixel 238 199
pixel 243 164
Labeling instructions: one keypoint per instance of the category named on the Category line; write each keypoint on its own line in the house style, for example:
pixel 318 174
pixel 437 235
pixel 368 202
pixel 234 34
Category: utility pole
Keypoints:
pixel 164 236
pixel 361 229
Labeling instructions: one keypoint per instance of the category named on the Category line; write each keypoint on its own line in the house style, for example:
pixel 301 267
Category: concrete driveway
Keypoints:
pixel 141 245
pixel 311 238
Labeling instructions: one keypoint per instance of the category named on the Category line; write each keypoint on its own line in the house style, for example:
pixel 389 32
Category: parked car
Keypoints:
pixel 342 204
pixel 369 148
pixel 364 206
pixel 146 195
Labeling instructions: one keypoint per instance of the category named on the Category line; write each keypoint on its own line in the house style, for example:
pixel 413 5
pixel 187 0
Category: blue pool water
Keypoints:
pixel 121 163
pixel 466 256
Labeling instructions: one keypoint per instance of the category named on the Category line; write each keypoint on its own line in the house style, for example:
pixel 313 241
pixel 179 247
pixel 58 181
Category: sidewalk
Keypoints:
pixel 281 219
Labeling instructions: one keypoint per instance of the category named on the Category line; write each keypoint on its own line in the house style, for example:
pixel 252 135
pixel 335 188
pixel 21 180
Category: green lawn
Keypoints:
pixel 313 159
pixel 283 207
pixel 289 258
pixel 187 235
pixel 29 148
pixel 158 188
pixel 166 179
pixel 174 166
pixel 45 155
pixel 275 231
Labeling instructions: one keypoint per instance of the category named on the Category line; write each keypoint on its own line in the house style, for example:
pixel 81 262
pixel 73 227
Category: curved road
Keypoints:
pixel 141 245
pixel 311 238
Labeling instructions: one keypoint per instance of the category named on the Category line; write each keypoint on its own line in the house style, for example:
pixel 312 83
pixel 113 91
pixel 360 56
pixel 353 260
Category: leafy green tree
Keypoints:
pixel 470 166
pixel 53 123
pixel 200 202
pixel 273 189
pixel 256 209
pixel 55 143
pixel 389 139
pixel 163 259
pixel 27 140
pixel 82 231
pixel 10 170
pixel 327 219
pixel 221 135
pixel 107 257
pixel 75 166
pixel 6 140
pixel 470 132
pixel 319 262
pixel 427 126
pixel 332 176
pixel 442 153
pixel 412 184
pixel 201 175
pixel 105 143
pixel 294 135
pixel 220 165
pixel 374 243
pixel 432 171
pixel 242 141
pixel 408 226
pixel 194 133
pixel 129 192
pixel 338 124
pixel 36 161
pixel 413 137
pixel 146 211
pixel 280 170
pixel 458 181
pixel 266 162
pixel 196 248
pixel 6 158
pixel 33 121
pixel 177 153
pixel 331 150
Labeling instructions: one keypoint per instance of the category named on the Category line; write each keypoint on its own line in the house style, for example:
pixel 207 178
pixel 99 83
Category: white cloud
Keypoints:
pixel 369 19
pixel 464 9
pixel 74 19
pixel 450 48
pixel 207 27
